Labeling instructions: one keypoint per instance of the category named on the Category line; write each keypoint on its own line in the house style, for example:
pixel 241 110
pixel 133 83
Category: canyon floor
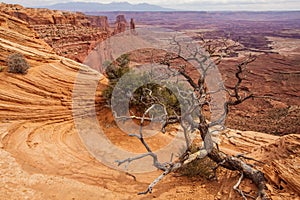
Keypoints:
pixel 42 155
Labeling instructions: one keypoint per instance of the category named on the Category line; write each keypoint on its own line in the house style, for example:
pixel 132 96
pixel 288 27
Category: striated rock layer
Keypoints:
pixel 38 139
pixel 71 35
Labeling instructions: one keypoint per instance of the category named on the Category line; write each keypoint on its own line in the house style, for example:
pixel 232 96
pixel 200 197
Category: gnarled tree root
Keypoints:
pixel 236 164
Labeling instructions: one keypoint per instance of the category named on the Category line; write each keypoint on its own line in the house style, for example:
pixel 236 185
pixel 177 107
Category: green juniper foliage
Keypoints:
pixel 144 95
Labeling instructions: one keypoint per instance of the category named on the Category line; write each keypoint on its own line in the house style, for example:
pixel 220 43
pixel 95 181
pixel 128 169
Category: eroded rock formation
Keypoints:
pixel 38 16
pixel 71 35
pixel 120 24
pixel 132 24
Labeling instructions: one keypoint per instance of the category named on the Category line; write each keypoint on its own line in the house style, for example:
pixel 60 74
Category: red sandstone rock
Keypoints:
pixel 71 35
pixel 120 24
pixel 99 22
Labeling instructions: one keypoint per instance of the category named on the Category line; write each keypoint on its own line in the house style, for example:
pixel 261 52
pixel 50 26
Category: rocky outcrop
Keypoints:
pixel 132 24
pixel 278 158
pixel 283 166
pixel 71 35
pixel 38 16
pixel 74 42
pixel 99 22
pixel 50 79
pixel 120 24
pixel 15 35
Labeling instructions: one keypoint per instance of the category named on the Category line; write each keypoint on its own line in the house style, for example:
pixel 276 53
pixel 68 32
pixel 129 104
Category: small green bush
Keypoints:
pixel 162 94
pixel 17 64
pixel 120 67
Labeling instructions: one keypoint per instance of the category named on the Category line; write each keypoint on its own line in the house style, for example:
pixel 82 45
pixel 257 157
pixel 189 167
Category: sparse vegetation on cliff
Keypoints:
pixel 144 95
pixel 17 64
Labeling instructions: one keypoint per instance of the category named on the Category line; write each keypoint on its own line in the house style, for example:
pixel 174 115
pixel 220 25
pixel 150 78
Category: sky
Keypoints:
pixel 255 5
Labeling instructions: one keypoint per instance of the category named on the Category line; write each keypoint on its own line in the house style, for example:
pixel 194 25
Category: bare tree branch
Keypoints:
pixel 193 117
pixel 236 186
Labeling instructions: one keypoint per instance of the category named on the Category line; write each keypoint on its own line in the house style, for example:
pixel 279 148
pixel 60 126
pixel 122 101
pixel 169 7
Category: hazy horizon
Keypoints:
pixel 188 5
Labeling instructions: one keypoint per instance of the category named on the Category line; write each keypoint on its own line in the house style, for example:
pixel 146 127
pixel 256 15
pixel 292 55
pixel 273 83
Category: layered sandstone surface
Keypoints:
pixel 71 35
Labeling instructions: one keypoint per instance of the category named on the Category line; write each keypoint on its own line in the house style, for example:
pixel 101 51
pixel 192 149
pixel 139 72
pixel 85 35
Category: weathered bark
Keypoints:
pixel 236 164
pixel 199 99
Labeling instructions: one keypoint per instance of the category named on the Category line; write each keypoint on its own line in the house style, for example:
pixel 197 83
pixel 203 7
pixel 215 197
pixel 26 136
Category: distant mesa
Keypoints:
pixel 97 7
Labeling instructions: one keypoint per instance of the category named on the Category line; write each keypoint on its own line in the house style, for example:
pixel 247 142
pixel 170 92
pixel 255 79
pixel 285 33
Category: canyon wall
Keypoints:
pixel 71 35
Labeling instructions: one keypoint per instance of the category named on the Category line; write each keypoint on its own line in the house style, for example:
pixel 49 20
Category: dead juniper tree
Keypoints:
pixel 196 104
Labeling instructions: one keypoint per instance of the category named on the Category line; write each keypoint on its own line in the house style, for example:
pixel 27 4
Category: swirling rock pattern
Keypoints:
pixel 42 156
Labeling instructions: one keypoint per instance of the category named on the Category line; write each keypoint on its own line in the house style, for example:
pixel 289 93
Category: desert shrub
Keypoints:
pixel 114 71
pixel 17 64
pixel 140 99
pixel 161 94
pixel 117 69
